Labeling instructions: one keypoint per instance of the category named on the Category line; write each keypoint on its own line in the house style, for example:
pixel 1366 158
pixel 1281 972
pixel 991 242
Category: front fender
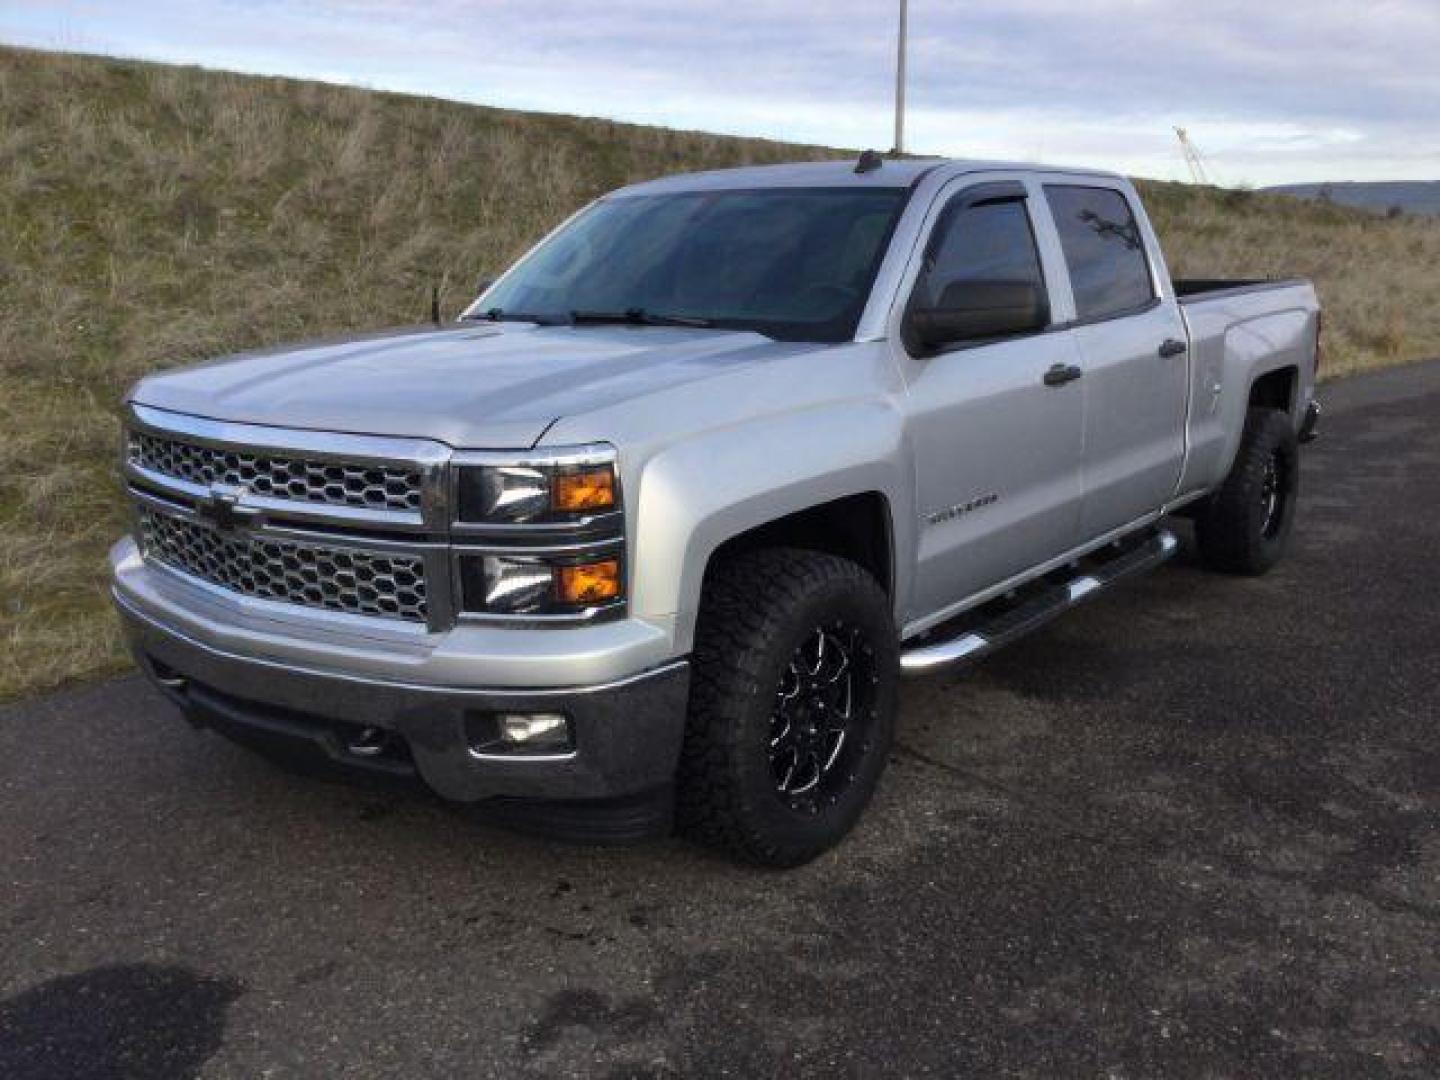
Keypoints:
pixel 697 494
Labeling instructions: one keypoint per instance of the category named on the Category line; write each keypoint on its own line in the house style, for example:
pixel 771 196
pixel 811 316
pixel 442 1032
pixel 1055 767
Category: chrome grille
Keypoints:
pixel 313 575
pixel 376 487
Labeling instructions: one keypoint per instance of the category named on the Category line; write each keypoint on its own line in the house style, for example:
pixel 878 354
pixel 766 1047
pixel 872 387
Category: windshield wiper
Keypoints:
pixel 496 314
pixel 637 317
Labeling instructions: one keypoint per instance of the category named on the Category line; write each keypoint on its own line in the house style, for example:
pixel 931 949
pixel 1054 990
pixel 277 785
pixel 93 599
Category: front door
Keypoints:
pixel 997 447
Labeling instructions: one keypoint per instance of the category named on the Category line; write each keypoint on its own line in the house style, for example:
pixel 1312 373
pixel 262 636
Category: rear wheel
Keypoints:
pixel 1243 528
pixel 792 705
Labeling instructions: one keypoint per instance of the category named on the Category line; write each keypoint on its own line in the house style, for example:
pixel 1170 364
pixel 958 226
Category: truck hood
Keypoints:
pixel 490 386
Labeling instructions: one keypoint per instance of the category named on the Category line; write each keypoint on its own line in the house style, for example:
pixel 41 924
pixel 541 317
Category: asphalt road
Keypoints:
pixel 1189 830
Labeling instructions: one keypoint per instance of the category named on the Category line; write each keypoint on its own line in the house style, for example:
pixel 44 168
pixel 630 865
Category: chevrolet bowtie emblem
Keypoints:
pixel 222 507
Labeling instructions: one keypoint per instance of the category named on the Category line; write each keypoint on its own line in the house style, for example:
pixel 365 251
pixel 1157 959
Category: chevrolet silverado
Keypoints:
pixel 647 537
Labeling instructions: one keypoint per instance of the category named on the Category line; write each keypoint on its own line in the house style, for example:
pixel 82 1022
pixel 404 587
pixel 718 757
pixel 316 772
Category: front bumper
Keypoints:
pixel 627 731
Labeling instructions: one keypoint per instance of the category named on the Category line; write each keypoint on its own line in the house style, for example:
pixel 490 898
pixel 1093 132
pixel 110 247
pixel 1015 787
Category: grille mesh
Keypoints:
pixel 377 487
pixel 340 579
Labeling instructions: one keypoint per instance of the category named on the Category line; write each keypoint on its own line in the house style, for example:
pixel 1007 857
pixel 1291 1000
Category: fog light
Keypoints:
pixel 519 734
pixel 534 729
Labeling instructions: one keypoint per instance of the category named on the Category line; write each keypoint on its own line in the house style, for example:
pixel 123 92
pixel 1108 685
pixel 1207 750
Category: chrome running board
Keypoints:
pixel 980 632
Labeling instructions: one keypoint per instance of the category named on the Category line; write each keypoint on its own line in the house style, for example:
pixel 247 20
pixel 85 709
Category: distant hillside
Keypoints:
pixel 1412 197
pixel 153 215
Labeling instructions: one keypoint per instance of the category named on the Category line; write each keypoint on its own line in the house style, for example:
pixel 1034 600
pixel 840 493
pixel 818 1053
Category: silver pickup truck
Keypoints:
pixel 648 536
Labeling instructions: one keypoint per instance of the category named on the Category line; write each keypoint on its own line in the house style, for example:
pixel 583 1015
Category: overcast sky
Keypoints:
pixel 1270 90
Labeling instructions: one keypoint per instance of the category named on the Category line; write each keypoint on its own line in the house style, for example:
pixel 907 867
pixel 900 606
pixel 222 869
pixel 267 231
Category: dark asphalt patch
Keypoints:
pixel 127 1020
pixel 1188 830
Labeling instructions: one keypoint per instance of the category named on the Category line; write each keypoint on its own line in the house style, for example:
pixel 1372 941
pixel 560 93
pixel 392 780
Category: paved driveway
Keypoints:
pixel 1189 830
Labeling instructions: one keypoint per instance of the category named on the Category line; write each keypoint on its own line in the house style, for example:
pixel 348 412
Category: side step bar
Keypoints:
pixel 982 635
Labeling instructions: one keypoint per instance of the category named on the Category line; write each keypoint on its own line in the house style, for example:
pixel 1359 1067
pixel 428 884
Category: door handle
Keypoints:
pixel 1170 347
pixel 1060 374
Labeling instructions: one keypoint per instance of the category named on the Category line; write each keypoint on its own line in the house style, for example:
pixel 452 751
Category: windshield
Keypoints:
pixel 792 263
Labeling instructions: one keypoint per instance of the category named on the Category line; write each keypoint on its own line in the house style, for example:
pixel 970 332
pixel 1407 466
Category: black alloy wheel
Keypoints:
pixel 822 718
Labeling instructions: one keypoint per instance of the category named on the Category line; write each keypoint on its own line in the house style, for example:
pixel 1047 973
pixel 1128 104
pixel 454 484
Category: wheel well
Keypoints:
pixel 856 527
pixel 1276 390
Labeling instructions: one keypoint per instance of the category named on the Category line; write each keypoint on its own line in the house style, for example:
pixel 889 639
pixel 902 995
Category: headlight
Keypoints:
pixel 540 533
pixel 539 584
pixel 536 493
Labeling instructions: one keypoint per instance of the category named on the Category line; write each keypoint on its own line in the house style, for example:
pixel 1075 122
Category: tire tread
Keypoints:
pixel 743 601
pixel 1224 526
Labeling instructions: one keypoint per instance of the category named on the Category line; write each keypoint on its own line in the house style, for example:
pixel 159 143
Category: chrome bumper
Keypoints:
pixel 627 733
pixel 221 659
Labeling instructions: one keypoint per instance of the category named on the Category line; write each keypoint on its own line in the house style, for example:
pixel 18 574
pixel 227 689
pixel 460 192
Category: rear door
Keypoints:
pixel 997 448
pixel 1132 342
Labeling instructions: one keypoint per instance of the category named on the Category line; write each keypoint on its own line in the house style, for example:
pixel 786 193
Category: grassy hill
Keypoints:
pixel 152 215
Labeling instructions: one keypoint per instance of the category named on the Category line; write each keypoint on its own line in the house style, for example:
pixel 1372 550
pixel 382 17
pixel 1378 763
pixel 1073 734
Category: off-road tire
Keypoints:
pixel 755 614
pixel 1236 529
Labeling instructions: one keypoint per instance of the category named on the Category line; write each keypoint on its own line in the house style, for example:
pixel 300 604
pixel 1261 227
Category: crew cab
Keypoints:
pixel 650 533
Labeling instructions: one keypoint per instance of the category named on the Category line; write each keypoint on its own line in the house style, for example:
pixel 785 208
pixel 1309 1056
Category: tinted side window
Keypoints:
pixel 988 242
pixel 1103 250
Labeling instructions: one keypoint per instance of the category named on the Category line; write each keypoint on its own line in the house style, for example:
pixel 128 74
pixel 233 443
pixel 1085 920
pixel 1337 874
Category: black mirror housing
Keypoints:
pixel 978 311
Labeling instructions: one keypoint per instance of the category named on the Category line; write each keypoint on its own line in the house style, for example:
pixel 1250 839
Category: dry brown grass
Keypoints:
pixel 153 215
pixel 1378 277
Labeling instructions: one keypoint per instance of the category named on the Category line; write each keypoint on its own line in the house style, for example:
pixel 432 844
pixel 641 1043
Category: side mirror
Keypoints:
pixel 977 310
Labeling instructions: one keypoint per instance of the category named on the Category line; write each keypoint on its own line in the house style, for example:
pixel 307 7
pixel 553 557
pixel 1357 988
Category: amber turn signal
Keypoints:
pixel 588 583
pixel 586 489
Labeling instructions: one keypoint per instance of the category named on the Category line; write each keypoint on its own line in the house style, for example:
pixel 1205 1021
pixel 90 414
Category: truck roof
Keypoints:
pixel 840 173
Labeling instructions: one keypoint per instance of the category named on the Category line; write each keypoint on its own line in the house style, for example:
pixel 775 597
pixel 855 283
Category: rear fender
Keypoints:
pixel 1227 366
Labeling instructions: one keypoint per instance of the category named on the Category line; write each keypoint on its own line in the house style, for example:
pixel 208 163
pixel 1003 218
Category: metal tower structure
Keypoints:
pixel 1193 160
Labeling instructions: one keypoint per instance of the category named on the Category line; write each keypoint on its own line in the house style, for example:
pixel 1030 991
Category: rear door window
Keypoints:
pixel 1104 250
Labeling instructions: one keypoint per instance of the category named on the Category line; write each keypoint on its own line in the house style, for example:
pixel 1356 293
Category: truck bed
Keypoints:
pixel 1191 289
